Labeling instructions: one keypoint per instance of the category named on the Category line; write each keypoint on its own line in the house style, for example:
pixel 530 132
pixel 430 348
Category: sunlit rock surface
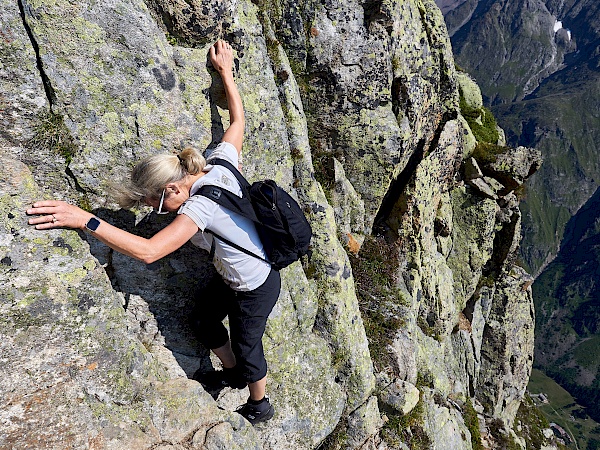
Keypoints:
pixel 351 107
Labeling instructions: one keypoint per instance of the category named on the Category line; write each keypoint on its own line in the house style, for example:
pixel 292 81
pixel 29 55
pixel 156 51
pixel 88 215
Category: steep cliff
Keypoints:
pixel 543 80
pixel 408 320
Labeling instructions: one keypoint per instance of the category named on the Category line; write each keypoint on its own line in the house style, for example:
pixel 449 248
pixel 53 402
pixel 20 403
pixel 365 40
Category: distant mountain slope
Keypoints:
pixel 567 297
pixel 509 46
pixel 561 120
pixel 538 67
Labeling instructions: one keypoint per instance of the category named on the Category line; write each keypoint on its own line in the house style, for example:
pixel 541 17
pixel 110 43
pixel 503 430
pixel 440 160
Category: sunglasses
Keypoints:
pixel 160 205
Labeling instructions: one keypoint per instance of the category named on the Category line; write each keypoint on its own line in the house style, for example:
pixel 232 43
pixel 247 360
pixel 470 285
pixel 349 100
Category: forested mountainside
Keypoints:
pixel 409 325
pixel 538 64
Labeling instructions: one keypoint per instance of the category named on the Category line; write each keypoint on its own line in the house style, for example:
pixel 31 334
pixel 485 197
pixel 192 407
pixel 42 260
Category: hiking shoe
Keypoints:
pixel 219 379
pixel 255 413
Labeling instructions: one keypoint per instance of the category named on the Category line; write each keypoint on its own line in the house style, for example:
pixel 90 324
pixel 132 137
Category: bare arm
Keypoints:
pixel 54 214
pixel 221 58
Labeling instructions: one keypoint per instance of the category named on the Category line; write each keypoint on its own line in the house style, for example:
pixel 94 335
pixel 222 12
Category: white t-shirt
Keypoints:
pixel 241 271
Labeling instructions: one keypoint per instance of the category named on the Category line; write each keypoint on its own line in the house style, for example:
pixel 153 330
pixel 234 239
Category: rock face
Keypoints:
pixel 352 107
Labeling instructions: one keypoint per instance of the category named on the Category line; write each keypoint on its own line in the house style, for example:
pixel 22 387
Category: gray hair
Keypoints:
pixel 150 176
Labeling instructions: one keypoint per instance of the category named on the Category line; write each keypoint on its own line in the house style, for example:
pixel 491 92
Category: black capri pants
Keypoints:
pixel 248 312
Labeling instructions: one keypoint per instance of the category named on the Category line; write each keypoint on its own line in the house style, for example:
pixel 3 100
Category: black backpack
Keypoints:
pixel 283 229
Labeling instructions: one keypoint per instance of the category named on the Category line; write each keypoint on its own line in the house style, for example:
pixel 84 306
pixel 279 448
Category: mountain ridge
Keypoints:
pixel 354 108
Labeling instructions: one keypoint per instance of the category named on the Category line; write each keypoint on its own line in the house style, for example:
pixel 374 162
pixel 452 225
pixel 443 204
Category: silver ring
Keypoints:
pixel 54 219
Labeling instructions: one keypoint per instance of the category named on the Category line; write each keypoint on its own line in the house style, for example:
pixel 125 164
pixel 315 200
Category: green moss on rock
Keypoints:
pixel 481 121
pixel 51 132
pixel 472 423
pixel 407 429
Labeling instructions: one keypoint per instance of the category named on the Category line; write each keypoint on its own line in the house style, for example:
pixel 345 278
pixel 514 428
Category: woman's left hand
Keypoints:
pixel 56 213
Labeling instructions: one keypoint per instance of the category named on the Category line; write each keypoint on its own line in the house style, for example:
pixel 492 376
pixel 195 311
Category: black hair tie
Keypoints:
pixel 180 160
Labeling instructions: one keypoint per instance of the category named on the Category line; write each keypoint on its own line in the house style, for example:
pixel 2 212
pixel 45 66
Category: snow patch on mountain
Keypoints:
pixel 558 25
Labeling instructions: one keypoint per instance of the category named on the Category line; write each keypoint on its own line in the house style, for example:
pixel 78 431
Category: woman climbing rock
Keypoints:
pixel 247 288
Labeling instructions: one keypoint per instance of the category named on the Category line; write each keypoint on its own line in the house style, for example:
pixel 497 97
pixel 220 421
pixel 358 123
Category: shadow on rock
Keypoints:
pixel 158 297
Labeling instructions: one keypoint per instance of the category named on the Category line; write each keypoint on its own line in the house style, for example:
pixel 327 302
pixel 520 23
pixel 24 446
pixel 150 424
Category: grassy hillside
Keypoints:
pixel 567 299
pixel 561 408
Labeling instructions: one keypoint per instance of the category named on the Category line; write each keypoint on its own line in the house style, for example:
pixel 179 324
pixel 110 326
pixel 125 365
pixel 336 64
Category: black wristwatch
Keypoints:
pixel 93 224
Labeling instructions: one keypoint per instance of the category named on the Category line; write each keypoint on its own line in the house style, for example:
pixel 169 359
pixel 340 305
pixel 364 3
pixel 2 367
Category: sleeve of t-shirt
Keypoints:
pixel 200 209
pixel 225 151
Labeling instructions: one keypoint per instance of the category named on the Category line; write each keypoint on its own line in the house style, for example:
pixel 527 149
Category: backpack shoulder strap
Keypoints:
pixel 234 245
pixel 229 200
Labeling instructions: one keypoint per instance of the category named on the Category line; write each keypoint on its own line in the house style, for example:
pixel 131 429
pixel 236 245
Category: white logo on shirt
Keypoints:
pixel 225 180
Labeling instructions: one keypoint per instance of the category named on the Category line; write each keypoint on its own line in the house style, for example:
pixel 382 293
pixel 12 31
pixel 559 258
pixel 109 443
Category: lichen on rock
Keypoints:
pixel 354 109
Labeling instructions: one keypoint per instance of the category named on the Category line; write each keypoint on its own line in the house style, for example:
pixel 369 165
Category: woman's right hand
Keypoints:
pixel 57 214
pixel 221 57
